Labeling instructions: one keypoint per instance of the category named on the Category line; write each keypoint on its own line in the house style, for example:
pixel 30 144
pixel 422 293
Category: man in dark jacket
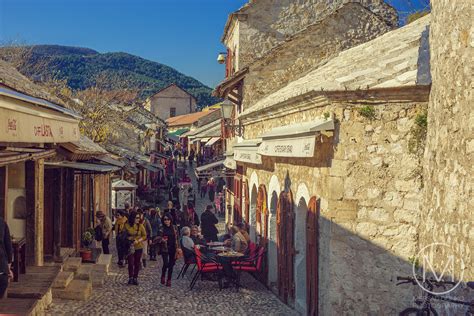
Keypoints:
pixel 208 224
pixel 5 257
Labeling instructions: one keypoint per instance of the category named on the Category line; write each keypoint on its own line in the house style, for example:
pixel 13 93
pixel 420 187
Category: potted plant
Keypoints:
pixel 87 239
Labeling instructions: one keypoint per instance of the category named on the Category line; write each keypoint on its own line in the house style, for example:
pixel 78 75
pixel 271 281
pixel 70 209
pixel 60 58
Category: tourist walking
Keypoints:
pixel 211 188
pixel 119 240
pixel 6 257
pixel 156 226
pixel 169 248
pixel 146 223
pixel 202 187
pixel 191 157
pixel 170 210
pixel 105 225
pixel 136 235
pixel 208 224
pixel 190 215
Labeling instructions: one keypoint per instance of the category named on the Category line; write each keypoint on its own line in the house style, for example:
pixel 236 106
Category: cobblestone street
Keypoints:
pixel 150 297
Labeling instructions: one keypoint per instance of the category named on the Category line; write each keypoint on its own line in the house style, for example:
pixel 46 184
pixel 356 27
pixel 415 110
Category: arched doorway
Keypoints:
pixel 272 243
pixel 312 256
pixel 300 256
pixel 253 214
pixel 286 249
pixel 262 229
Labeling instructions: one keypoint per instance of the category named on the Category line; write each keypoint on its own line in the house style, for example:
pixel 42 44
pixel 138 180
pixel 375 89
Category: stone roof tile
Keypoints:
pixel 389 61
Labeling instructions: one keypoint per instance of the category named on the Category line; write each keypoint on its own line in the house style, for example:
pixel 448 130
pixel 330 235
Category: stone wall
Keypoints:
pixel 448 212
pixel 370 201
pixel 349 26
pixel 268 24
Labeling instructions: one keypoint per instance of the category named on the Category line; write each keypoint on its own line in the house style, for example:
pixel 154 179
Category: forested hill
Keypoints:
pixel 81 66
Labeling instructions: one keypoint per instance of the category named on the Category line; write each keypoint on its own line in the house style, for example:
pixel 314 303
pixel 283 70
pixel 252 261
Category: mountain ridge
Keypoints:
pixel 81 66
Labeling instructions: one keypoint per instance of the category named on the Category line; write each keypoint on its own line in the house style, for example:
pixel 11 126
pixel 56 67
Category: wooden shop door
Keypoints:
pixel 286 247
pixel 312 254
pixel 262 230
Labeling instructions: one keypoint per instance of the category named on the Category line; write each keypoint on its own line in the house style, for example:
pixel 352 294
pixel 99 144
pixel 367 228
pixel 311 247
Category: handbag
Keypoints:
pixel 131 248
pixel 179 254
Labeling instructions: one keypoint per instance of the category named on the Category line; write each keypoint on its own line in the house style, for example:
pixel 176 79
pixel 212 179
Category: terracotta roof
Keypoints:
pixel 399 58
pixel 187 119
pixel 84 145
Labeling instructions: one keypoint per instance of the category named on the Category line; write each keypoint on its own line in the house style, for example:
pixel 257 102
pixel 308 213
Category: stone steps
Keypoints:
pixel 63 279
pixel 76 290
pixel 71 264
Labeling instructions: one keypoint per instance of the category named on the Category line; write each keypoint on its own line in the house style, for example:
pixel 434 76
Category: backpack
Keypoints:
pixel 99 235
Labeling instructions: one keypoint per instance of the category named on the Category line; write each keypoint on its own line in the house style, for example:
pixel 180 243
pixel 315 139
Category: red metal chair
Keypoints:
pixel 251 264
pixel 205 265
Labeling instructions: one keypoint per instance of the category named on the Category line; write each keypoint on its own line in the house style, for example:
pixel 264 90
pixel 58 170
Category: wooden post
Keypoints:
pixel 35 213
pixel 3 192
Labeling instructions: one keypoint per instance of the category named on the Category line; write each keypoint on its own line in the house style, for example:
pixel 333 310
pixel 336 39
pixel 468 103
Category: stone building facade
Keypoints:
pixel 361 172
pixel 347 27
pixel 258 26
pixel 170 102
pixel 448 215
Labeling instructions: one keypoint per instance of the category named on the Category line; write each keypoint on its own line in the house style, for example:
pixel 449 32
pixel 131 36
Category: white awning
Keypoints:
pixel 230 163
pixel 212 141
pixel 210 166
pixel 203 140
pixel 247 151
pixel 297 140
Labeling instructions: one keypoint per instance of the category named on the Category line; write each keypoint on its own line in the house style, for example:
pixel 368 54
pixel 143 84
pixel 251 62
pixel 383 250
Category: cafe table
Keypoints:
pixel 225 259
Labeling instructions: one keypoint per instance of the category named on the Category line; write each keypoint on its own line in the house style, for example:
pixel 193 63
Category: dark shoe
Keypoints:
pixel 168 283
pixel 162 280
pixel 130 280
pixel 135 281
pixel 144 263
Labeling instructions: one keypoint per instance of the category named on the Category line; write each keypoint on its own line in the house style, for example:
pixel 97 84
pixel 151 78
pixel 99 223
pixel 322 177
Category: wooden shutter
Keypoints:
pixel 285 246
pixel 312 254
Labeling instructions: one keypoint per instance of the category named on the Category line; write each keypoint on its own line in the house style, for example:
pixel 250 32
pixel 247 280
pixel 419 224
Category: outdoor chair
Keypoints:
pixel 205 265
pixel 189 259
pixel 251 264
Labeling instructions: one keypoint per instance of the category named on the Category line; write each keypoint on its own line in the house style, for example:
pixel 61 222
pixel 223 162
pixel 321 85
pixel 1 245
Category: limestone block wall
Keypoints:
pixel 349 26
pixel 448 212
pixel 269 24
pixel 370 202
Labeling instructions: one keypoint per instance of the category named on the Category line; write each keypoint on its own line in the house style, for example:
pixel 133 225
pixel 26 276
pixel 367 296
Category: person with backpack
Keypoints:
pixel 119 240
pixel 103 231
pixel 136 236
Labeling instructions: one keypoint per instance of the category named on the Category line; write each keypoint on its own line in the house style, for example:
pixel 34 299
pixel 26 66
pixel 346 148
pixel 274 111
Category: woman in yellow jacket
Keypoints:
pixel 137 235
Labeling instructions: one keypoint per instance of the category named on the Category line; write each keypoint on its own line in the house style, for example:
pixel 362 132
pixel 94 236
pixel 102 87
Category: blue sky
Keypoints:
pixel 184 34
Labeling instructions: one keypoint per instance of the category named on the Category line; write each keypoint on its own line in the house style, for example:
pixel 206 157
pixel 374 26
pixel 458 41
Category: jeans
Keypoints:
pixel 105 246
pixel 3 284
pixel 168 263
pixel 134 263
pixel 120 251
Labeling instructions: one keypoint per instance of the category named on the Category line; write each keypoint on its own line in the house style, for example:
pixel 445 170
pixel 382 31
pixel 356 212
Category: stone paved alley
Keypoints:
pixel 150 297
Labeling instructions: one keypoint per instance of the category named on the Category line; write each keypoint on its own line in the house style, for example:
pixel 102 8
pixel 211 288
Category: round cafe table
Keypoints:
pixel 226 258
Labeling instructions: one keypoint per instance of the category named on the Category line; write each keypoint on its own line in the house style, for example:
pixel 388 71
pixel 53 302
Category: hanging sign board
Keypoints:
pixel 298 147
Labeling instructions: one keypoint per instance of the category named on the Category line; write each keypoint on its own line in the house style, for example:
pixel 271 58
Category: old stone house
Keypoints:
pixel 329 179
pixel 171 101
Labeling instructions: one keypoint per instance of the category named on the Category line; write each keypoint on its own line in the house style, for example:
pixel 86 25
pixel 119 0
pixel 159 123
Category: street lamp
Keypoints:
pixel 221 58
pixel 227 108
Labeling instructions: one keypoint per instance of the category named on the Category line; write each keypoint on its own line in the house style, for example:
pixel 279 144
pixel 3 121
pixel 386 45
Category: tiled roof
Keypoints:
pixel 395 59
pixel 187 119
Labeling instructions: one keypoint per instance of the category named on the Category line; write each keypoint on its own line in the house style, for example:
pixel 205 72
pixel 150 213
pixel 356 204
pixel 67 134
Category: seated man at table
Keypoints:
pixel 238 242
pixel 196 236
